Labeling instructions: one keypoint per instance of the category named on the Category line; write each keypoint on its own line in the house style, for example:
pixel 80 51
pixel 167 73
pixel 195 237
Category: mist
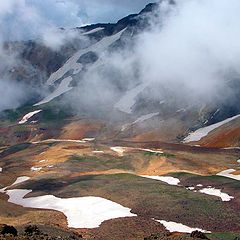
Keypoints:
pixel 191 50
pixel 196 47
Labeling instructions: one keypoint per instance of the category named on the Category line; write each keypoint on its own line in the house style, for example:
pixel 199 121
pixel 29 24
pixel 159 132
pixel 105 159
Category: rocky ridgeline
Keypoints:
pixel 31 232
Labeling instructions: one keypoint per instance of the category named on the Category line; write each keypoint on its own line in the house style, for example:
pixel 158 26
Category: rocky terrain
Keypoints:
pixel 131 166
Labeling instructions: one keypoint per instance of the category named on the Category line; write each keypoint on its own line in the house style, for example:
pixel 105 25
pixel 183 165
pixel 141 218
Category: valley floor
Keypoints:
pixel 144 187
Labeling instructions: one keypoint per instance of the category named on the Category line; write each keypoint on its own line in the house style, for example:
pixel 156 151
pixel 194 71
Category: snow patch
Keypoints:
pixel 126 103
pixel 179 227
pixel 145 117
pixel 28 116
pixel 166 179
pixel 232 148
pixel 36 169
pixel 203 132
pixel 119 150
pixel 93 31
pixel 181 110
pixel 72 63
pixel 73 66
pixel 88 139
pixel 216 192
pixel 59 140
pixel 18 180
pixel 81 212
pixel 151 150
pixel 98 151
pixel 61 89
pixel 228 174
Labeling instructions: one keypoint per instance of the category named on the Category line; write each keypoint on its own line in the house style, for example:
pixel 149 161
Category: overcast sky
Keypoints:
pixel 23 18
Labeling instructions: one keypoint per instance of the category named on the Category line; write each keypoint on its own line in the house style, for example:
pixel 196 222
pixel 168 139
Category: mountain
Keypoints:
pixel 101 151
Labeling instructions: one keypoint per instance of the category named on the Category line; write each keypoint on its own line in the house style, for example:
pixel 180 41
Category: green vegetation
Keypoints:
pixel 167 155
pixel 14 149
pixel 225 236
pixel 105 163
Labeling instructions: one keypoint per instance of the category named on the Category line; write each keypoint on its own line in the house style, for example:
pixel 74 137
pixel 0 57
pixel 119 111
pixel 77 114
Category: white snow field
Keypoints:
pixel 73 65
pixel 166 179
pixel 126 103
pixel 93 31
pixel 228 174
pixel 36 169
pixel 81 212
pixel 61 89
pixel 217 192
pixel 119 150
pixel 18 180
pixel 59 140
pixel 178 227
pixel 145 117
pixel 28 116
pixel 203 132
pixel 150 150
pixel 96 151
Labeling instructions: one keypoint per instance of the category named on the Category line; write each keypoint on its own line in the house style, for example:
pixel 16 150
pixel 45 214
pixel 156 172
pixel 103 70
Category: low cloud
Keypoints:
pixel 191 51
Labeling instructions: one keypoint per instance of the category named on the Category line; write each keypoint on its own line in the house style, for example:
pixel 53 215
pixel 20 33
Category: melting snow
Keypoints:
pixel 28 116
pixel 227 173
pixel 178 227
pixel 81 212
pixel 126 103
pixel 1 169
pixel 216 192
pixel 59 140
pixel 151 150
pixel 199 185
pixel 232 148
pixel 119 150
pixel 61 89
pixel 18 180
pixel 88 139
pixel 93 31
pixel 166 179
pixel 203 132
pixel 181 110
pixel 98 151
pixel 73 65
pixel 145 117
pixel 36 169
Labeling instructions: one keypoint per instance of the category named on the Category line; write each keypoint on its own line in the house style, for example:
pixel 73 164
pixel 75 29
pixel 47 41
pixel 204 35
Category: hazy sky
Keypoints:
pixel 28 18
